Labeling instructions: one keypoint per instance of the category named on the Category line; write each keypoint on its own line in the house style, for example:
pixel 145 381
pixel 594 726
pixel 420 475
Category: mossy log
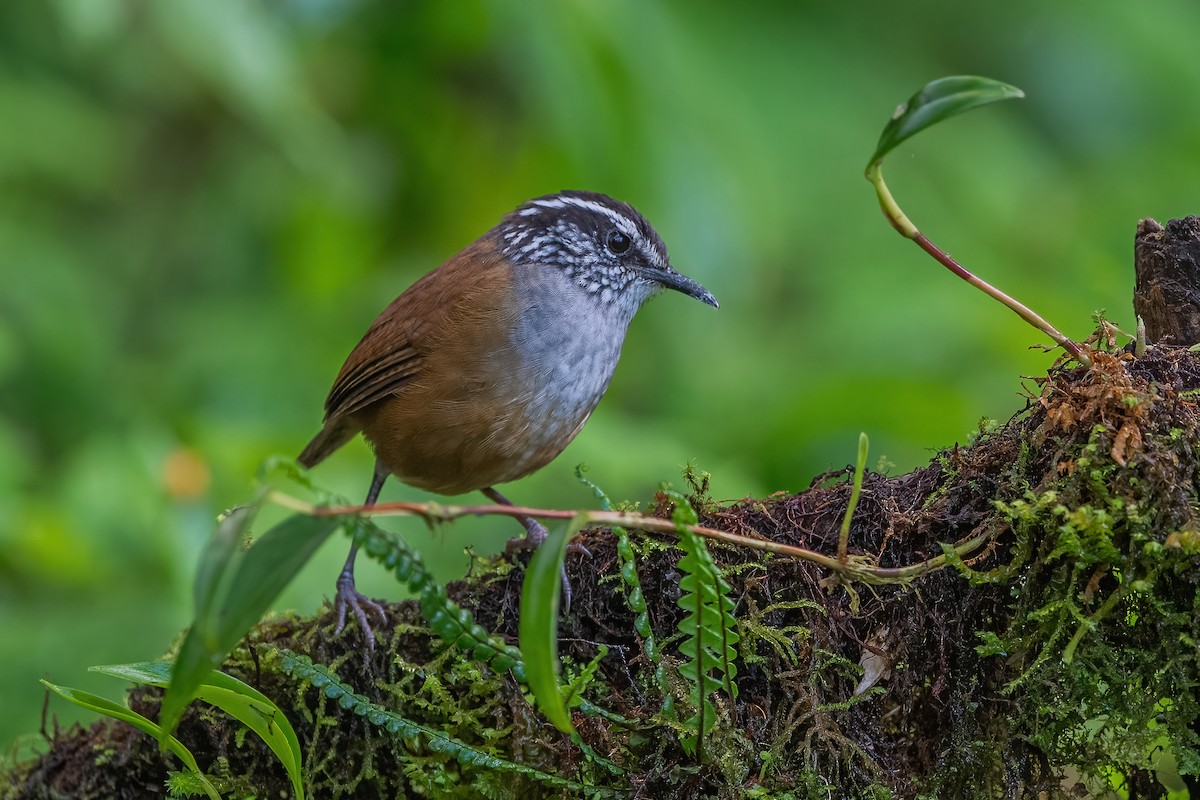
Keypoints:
pixel 1059 658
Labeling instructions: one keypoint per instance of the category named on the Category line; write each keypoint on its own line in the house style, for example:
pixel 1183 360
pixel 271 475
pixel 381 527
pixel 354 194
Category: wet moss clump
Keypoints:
pixel 1058 657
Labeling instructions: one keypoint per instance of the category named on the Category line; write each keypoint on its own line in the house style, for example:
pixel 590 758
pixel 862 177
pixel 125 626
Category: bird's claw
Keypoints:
pixel 359 604
pixel 535 534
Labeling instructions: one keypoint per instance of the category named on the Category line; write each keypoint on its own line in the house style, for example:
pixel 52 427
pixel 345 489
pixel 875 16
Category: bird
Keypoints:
pixel 486 368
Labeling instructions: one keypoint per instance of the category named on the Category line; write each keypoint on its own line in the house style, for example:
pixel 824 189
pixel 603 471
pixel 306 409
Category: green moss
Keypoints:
pixel 1101 628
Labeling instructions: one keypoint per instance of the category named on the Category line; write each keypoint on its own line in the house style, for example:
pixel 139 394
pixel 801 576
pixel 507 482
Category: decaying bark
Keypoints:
pixel 1167 293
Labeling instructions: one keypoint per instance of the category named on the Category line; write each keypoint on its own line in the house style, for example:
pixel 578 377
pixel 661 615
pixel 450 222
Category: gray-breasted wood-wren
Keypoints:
pixel 485 369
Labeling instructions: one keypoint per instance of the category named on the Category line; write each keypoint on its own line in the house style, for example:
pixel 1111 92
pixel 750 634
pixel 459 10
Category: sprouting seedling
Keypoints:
pixel 860 467
pixel 936 101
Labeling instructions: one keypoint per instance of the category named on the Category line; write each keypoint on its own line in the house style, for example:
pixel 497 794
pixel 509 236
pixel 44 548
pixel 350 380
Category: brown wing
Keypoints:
pixel 392 353
pixel 369 379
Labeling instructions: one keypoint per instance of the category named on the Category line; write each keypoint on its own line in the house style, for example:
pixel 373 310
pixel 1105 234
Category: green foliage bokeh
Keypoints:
pixel 204 204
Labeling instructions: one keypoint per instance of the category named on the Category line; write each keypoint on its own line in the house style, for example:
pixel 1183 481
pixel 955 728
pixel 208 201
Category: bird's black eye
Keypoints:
pixel 618 243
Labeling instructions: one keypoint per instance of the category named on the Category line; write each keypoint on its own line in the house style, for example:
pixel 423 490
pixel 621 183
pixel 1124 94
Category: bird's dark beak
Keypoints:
pixel 681 283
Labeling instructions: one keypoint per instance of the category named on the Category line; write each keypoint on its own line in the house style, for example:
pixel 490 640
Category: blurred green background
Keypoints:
pixel 204 204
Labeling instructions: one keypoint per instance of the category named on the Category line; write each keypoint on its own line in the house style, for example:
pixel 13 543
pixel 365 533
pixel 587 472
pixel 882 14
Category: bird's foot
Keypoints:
pixel 535 534
pixel 359 604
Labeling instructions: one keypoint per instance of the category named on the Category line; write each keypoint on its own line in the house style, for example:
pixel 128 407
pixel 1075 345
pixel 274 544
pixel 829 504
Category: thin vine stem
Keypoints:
pixel 858 568
pixel 908 230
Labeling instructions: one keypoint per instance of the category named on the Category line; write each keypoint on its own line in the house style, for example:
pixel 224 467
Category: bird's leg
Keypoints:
pixel 348 596
pixel 535 534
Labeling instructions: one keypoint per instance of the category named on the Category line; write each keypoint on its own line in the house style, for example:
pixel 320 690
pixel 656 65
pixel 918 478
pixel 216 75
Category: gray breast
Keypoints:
pixel 569 341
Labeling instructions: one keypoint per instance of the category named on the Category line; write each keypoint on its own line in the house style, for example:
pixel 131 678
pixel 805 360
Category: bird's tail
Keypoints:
pixel 335 434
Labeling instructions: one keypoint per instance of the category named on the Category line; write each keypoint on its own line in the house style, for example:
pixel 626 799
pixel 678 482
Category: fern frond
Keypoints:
pixel 709 629
pixel 414 734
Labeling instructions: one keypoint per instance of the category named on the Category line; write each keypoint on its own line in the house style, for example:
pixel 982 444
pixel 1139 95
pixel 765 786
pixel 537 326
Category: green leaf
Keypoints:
pixel 939 100
pixel 538 627
pixel 234 589
pixel 237 699
pixel 264 571
pixel 108 708
pixel 223 548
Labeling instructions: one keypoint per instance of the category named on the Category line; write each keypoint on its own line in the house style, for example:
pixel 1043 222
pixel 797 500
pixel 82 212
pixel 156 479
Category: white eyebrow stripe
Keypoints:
pixel 620 220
